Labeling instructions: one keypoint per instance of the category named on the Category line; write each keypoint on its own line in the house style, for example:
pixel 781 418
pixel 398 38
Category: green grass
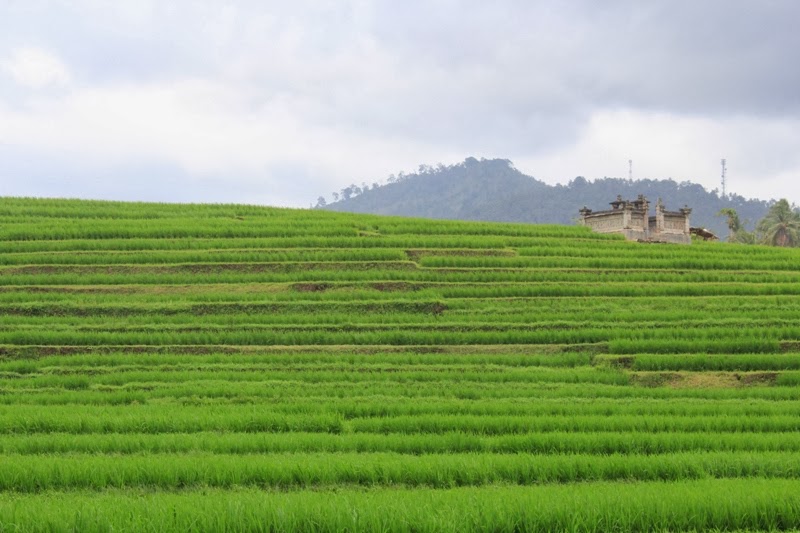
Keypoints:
pixel 240 368
pixel 727 504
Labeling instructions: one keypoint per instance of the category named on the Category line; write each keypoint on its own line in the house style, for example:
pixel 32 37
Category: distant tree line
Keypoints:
pixel 494 190
pixel 353 190
pixel 779 227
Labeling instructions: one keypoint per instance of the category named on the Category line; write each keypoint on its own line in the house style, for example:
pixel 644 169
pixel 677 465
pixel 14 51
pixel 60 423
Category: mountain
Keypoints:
pixel 492 189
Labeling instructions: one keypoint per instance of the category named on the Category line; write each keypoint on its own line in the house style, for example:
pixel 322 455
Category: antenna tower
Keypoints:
pixel 630 169
pixel 724 172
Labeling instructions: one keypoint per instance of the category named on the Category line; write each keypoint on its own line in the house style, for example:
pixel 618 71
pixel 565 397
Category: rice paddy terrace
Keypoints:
pixel 240 368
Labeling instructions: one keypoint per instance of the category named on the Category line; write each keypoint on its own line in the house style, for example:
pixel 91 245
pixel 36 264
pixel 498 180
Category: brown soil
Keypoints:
pixel 703 380
pixel 310 287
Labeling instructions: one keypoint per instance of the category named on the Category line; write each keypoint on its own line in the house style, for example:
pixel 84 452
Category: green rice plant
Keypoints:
pixel 226 393
pixel 141 360
pixel 348 373
pixel 709 362
pixel 694 505
pixel 676 346
pixel 204 256
pixel 788 379
pixel 501 425
pixel 223 367
pixel 596 443
pixel 158 419
pixel 614 260
pixel 27 473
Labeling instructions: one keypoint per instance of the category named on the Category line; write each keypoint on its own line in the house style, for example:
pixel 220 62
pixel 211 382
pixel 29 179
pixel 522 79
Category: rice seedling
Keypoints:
pixel 228 367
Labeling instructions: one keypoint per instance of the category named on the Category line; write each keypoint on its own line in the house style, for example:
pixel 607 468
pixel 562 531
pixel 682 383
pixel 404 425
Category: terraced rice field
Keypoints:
pixel 237 368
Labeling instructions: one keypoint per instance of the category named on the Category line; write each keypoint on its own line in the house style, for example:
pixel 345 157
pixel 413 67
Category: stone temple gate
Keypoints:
pixel 633 219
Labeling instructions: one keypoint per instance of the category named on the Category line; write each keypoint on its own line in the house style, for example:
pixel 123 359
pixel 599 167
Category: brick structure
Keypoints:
pixel 633 220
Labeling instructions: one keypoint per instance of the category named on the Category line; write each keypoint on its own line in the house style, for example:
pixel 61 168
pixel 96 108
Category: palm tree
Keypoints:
pixel 734 224
pixel 781 226
pixel 745 237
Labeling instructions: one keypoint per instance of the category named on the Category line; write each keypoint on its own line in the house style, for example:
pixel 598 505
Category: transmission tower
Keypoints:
pixel 724 171
pixel 630 169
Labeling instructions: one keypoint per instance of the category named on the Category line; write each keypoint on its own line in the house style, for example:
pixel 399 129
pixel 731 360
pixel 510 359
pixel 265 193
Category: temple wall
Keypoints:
pixel 605 222
pixel 674 224
pixel 633 220
pixel 675 238
pixel 635 234
pixel 639 221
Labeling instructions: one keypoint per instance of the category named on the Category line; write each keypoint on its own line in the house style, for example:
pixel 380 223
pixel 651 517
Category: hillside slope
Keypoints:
pixel 239 368
pixel 493 190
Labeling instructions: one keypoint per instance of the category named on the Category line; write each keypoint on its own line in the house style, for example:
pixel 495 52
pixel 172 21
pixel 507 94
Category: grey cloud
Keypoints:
pixel 453 70
pixel 520 74
pixel 502 78
pixel 712 57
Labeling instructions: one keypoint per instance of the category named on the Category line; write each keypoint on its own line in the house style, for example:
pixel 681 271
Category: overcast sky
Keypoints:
pixel 278 102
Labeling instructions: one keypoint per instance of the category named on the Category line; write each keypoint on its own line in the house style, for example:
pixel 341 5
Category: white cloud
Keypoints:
pixel 289 147
pixel 207 129
pixel 762 158
pixel 300 98
pixel 35 68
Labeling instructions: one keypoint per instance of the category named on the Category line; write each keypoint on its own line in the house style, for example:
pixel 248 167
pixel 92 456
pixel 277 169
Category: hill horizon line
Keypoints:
pixel 495 190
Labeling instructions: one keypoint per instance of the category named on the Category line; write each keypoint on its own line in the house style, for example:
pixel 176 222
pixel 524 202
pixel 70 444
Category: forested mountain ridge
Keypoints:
pixel 493 190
